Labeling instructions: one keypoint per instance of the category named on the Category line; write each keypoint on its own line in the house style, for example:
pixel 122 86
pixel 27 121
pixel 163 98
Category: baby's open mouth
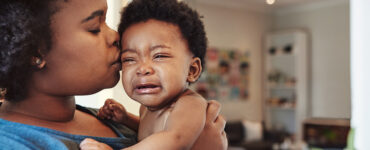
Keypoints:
pixel 147 88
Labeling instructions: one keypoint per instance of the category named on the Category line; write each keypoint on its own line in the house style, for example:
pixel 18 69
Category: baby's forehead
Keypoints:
pixel 148 26
pixel 153 33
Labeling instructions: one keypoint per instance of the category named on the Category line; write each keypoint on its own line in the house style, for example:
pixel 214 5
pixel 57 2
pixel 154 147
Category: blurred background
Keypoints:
pixel 280 69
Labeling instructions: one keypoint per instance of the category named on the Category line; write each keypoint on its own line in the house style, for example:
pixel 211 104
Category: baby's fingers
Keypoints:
pixel 117 108
pixel 104 113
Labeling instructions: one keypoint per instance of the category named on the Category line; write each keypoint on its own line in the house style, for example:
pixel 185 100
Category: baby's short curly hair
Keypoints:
pixel 170 11
pixel 24 33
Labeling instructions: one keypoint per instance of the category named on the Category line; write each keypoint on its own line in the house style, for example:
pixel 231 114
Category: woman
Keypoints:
pixel 52 50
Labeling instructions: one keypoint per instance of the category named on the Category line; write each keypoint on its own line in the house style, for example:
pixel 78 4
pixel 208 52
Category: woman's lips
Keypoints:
pixel 117 62
pixel 147 89
pixel 117 66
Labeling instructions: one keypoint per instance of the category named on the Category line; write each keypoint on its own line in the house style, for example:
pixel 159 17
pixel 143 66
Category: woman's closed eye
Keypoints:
pixel 95 31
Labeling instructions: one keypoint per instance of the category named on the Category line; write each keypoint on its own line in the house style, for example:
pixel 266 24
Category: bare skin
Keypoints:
pixel 165 124
pixel 70 71
pixel 157 69
pixel 82 60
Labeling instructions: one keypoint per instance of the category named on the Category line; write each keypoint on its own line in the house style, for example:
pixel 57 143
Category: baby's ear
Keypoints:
pixel 195 70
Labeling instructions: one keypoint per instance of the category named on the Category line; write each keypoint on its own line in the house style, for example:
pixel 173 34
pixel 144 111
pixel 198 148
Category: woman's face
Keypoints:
pixel 83 57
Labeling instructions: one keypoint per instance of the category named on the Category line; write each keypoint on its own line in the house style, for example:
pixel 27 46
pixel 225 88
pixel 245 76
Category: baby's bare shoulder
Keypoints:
pixel 191 97
pixel 190 94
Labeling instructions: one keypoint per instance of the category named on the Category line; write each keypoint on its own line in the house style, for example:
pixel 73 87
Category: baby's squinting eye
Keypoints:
pixel 161 56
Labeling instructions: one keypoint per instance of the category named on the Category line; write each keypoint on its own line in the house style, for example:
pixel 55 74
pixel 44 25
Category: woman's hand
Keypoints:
pixel 213 136
pixel 90 144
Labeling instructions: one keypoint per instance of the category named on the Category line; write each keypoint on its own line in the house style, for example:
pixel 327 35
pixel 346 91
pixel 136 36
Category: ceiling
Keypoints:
pixel 261 5
pixel 278 3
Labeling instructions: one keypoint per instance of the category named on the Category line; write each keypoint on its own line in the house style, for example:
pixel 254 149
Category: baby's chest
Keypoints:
pixel 151 123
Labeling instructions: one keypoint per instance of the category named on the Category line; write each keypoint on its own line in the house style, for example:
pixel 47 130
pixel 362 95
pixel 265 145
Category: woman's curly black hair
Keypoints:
pixel 24 33
pixel 170 11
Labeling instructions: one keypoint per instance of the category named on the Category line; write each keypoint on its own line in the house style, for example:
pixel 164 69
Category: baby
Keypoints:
pixel 163 47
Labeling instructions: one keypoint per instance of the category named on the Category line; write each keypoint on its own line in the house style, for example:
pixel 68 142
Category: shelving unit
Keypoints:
pixel 286 81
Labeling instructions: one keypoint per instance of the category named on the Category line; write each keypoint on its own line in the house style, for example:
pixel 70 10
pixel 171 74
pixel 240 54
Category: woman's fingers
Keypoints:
pixel 224 140
pixel 213 110
pixel 90 144
pixel 87 141
pixel 220 123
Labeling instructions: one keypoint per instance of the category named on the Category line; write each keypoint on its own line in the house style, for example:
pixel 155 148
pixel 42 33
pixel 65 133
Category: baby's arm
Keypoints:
pixel 116 112
pixel 183 126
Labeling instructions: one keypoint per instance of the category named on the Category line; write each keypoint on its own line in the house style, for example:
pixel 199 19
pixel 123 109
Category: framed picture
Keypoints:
pixel 225 76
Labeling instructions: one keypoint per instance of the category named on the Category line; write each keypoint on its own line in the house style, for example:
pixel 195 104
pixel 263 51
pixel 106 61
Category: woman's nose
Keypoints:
pixel 112 38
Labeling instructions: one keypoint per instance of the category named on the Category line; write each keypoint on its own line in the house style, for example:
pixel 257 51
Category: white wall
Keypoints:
pixel 360 72
pixel 226 27
pixel 328 24
pixel 243 30
pixel 326 21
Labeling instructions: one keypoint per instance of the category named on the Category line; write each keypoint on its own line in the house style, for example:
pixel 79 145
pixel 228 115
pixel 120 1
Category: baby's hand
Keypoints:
pixel 113 110
pixel 90 144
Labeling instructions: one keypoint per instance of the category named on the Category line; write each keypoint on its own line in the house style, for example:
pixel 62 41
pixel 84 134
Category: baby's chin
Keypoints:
pixel 151 101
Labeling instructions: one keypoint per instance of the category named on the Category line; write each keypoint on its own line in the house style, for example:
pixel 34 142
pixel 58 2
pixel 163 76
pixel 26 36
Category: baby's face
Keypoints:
pixel 155 62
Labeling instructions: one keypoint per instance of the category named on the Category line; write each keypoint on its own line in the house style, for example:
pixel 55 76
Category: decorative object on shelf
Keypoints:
pixel 272 51
pixel 288 49
pixel 276 77
pixel 290 82
pixel 225 76
pixel 281 102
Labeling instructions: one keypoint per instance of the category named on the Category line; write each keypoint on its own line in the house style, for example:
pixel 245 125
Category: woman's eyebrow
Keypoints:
pixel 97 13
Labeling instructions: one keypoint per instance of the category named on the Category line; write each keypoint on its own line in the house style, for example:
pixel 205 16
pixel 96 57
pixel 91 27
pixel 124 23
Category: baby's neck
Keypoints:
pixel 169 103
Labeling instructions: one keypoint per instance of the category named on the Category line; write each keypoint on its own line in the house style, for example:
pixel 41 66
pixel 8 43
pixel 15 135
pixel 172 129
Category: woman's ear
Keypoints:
pixel 38 60
pixel 195 70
